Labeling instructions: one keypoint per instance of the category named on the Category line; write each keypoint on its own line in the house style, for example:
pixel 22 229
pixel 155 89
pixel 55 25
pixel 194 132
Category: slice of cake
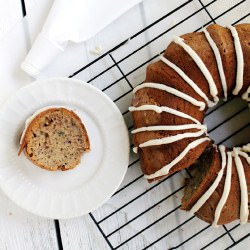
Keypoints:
pixel 55 139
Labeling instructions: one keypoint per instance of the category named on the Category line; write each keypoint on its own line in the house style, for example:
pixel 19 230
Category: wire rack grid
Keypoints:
pixel 147 216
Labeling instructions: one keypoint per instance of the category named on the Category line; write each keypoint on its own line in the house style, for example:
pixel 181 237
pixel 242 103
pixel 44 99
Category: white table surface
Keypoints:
pixel 22 230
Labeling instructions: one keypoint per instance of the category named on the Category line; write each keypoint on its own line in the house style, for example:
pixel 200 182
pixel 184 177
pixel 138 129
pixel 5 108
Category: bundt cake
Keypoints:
pixel 195 71
pixel 54 139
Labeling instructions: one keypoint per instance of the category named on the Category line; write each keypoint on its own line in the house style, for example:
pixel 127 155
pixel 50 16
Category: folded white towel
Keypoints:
pixel 76 21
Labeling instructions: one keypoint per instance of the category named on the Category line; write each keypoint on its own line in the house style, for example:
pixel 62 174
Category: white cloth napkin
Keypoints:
pixel 76 21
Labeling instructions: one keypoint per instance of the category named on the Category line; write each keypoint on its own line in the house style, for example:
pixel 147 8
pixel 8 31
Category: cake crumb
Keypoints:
pixel 97 50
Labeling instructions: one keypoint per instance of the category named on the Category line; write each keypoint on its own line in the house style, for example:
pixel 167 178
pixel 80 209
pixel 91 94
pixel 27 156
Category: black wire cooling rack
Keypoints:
pixel 147 216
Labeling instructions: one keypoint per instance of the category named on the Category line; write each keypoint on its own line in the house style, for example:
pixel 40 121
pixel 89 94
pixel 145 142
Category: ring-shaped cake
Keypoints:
pixel 168 109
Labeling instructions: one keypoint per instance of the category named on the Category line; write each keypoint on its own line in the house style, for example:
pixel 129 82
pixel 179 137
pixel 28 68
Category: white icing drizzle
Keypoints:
pixel 246 148
pixel 226 190
pixel 170 139
pixel 240 60
pixel 169 127
pixel 172 91
pixel 161 109
pixel 245 155
pixel 244 211
pixel 165 170
pixel 188 80
pixel 135 150
pixel 218 60
pixel 215 184
pixel 201 65
pixel 246 96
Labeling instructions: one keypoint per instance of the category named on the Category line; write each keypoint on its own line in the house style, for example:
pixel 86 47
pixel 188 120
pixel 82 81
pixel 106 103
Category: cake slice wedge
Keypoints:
pixel 55 139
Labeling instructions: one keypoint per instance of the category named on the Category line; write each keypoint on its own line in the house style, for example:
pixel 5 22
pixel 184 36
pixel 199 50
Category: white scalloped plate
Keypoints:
pixel 64 194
